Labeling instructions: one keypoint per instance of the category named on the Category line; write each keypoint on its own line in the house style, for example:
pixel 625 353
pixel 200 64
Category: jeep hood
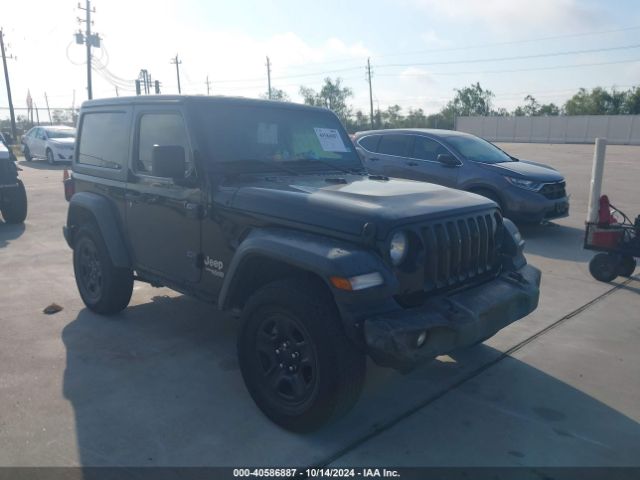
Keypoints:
pixel 525 169
pixel 346 207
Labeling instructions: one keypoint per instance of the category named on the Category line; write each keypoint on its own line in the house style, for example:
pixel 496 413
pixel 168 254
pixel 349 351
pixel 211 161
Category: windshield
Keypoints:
pixel 71 133
pixel 268 138
pixel 477 149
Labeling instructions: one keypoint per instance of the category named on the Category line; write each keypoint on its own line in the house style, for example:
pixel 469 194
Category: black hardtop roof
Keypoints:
pixel 192 99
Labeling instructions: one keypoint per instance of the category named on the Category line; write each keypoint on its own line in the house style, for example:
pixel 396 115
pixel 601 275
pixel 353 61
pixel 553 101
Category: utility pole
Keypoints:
pixel 89 41
pixel 175 61
pixel 46 100
pixel 14 134
pixel 370 90
pixel 208 85
pixel 269 78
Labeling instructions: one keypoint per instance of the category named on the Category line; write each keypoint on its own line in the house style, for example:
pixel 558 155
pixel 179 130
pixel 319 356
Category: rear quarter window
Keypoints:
pixel 370 143
pixel 104 140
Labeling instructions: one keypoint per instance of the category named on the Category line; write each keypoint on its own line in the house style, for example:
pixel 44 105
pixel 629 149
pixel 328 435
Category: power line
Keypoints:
pixel 518 57
pixel 511 42
pixel 482 72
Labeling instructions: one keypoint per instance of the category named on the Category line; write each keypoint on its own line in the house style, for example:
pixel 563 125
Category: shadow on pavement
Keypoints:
pixel 557 241
pixel 159 384
pixel 43 165
pixel 9 232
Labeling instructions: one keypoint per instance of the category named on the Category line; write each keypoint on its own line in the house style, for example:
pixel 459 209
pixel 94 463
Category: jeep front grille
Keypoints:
pixel 553 191
pixel 457 250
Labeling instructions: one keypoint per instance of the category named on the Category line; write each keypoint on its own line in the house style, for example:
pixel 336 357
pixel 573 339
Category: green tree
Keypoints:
pixel 277 94
pixel 472 100
pixel 416 119
pixel 596 102
pixel 333 95
pixel 632 102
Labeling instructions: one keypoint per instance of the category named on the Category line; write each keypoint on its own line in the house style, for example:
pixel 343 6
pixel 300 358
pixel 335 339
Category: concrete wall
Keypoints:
pixel 617 129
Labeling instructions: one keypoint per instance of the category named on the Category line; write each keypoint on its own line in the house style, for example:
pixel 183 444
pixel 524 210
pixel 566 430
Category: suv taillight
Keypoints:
pixel 69 185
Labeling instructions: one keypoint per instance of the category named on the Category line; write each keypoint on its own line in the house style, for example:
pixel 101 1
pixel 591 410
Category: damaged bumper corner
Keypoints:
pixel 403 338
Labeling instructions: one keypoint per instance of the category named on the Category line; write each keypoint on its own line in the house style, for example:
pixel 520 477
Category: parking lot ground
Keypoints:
pixel 159 383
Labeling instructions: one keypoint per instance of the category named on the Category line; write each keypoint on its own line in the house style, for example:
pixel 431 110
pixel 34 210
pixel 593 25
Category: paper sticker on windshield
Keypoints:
pixel 268 133
pixel 330 140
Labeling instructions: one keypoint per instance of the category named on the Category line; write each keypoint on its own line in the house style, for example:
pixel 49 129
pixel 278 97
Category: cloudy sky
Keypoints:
pixel 420 50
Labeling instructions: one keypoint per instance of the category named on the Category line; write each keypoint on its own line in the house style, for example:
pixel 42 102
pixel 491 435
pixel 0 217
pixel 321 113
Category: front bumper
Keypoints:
pixel 450 322
pixel 525 206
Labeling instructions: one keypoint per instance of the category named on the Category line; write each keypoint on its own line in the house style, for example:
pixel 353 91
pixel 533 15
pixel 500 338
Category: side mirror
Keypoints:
pixel 448 160
pixel 168 161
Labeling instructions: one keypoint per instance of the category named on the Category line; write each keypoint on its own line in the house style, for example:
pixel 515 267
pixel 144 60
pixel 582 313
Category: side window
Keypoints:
pixel 370 143
pixel 104 140
pixel 426 149
pixel 161 129
pixel 40 134
pixel 399 145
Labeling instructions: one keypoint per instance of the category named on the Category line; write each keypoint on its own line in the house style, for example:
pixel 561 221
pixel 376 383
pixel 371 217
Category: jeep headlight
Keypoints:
pixel 523 183
pixel 398 248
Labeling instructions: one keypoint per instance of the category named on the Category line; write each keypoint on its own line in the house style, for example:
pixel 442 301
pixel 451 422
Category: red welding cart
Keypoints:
pixel 617 239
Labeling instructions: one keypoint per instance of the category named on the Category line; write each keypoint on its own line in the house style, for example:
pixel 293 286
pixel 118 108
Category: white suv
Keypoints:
pixel 55 143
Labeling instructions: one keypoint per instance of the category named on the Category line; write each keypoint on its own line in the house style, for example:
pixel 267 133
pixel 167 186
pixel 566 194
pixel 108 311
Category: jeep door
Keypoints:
pixel 163 214
pixel 422 163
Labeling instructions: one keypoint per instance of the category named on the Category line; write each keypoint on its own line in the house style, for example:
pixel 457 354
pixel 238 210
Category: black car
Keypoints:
pixel 265 209
pixel 525 191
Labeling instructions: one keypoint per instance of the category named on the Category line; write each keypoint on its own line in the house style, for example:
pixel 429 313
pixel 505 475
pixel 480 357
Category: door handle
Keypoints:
pixel 374 159
pixel 151 198
pixel 412 164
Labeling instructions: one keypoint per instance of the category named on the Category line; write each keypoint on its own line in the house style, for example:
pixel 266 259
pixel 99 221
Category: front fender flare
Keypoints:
pixel 319 255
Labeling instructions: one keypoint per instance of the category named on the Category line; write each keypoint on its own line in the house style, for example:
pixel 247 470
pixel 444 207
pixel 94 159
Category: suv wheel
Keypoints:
pixel 50 159
pixel 104 288
pixel 14 204
pixel 295 358
pixel 27 154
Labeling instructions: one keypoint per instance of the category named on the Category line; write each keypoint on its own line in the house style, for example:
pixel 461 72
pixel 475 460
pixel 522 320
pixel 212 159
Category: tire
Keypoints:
pixel 104 288
pixel 626 266
pixel 50 159
pixel 296 361
pixel 604 267
pixel 14 204
pixel 27 154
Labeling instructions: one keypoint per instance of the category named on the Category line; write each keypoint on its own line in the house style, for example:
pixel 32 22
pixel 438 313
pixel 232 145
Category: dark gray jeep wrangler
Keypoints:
pixel 264 208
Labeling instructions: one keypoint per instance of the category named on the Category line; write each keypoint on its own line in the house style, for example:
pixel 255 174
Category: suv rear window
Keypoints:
pixel 104 140
pixel 398 145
